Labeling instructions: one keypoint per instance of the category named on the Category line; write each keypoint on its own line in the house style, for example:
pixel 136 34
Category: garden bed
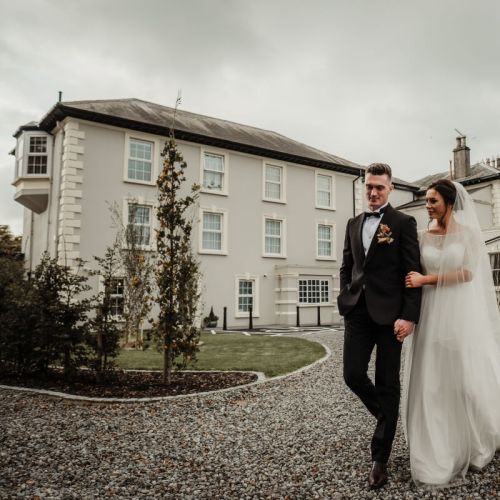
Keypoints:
pixel 130 384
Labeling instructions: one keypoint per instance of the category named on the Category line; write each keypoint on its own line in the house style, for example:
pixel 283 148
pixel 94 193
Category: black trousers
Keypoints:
pixel 381 399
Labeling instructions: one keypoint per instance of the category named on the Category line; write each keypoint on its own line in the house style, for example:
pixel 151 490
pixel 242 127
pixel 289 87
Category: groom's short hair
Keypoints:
pixel 379 169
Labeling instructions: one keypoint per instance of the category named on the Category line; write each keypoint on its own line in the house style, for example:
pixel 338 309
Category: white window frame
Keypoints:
pixel 282 255
pixel 256 295
pixel 155 157
pixel 225 177
pixel 332 193
pixel 147 203
pixel 495 270
pixel 266 164
pixel 333 240
pixel 315 278
pixel 23 152
pixel 224 226
pixel 102 289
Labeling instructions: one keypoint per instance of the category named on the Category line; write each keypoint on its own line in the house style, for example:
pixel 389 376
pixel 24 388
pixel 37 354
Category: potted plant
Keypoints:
pixel 210 321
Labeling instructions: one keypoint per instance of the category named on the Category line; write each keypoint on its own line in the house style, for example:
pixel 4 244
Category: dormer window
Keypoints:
pixel 37 155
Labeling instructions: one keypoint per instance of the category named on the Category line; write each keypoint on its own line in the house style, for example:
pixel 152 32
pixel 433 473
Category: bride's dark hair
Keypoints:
pixel 446 189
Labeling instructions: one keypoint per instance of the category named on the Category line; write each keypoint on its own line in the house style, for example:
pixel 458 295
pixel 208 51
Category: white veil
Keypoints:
pixel 451 391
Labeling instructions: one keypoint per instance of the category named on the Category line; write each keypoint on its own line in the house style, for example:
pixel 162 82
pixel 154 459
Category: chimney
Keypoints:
pixel 461 159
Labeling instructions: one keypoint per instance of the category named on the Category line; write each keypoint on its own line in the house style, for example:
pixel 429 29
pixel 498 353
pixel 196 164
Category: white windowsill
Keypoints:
pixel 142 183
pixel 270 200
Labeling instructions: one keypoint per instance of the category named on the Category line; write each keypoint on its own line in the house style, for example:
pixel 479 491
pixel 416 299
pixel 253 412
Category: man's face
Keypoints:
pixel 377 189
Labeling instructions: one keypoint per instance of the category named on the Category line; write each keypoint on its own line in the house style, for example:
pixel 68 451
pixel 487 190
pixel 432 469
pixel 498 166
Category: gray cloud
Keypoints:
pixel 367 80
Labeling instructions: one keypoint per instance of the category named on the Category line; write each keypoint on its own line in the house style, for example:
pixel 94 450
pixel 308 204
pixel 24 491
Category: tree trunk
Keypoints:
pixel 167 361
pixel 100 350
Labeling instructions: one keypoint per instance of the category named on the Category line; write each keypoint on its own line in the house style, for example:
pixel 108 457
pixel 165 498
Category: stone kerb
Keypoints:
pixel 261 379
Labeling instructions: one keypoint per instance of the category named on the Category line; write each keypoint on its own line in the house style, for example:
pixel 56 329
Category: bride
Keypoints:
pixel 451 388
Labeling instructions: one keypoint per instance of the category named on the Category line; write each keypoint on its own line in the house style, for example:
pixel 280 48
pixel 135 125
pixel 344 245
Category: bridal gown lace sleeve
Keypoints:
pixel 451 387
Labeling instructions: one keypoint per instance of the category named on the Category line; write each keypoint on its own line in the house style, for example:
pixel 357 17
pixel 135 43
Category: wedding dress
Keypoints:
pixel 451 387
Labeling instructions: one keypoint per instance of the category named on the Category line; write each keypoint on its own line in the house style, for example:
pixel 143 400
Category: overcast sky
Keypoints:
pixel 367 80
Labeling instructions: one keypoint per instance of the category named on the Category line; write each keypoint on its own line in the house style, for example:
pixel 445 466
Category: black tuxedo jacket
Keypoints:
pixel 382 272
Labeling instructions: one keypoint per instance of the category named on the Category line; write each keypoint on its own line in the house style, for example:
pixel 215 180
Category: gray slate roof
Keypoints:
pixel 479 171
pixel 137 114
pixel 137 111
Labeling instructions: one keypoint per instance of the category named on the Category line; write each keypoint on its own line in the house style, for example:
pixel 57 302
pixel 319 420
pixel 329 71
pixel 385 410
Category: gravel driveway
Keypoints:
pixel 304 436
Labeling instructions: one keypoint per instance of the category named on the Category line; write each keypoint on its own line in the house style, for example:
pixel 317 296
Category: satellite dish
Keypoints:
pixel 459 133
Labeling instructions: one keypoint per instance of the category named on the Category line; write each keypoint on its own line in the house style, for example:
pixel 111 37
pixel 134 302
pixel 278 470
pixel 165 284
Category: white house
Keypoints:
pixel 270 219
pixel 482 181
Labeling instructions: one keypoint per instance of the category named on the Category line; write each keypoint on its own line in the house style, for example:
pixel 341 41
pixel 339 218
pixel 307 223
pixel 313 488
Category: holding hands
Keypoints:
pixel 403 328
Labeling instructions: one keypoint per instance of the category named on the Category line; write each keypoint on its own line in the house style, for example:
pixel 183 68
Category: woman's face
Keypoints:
pixel 435 204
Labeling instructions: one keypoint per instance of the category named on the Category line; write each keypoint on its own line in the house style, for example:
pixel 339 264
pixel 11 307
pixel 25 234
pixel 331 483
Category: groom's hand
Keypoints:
pixel 403 328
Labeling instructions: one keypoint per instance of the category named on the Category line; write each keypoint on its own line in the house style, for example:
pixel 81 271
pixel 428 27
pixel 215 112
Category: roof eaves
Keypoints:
pixel 492 240
pixel 60 111
pixel 24 128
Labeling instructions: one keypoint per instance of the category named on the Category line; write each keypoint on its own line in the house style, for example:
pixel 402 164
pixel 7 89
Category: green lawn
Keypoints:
pixel 231 351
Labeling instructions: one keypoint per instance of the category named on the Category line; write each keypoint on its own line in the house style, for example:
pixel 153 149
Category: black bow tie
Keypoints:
pixel 373 214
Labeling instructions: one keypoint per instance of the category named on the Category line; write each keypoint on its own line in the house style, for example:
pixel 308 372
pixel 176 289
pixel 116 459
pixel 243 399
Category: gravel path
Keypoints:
pixel 304 436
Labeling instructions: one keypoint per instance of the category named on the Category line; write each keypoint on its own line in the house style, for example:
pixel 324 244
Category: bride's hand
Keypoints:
pixel 414 280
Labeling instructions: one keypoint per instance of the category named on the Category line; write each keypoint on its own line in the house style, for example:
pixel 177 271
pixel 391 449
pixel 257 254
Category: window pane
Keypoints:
pixel 273 245
pixel 139 216
pixel 324 199
pixel 38 144
pixel 212 221
pixel 324 249
pixel 214 162
pixel 273 191
pixel 116 289
pixel 37 164
pixel 141 150
pixel 313 291
pixel 140 160
pixel 212 231
pixel 246 287
pixel 273 173
pixel 324 232
pixel 324 183
pixel 212 180
pixel 495 266
pixel 212 241
pixel 273 227
pixel 245 295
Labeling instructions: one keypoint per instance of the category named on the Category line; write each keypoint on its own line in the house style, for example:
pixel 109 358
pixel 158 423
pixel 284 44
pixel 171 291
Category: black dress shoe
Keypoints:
pixel 378 475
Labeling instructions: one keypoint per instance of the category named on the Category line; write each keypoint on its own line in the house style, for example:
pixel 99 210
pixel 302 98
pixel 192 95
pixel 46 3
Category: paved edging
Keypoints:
pixel 261 379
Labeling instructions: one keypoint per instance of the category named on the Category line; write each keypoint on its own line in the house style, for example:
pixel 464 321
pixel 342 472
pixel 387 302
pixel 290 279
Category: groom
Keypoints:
pixel 380 248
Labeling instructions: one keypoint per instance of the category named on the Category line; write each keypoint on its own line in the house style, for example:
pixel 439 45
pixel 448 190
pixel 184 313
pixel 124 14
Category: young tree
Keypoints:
pixel 177 272
pixel 10 245
pixel 137 267
pixel 105 335
pixel 62 310
pixel 17 319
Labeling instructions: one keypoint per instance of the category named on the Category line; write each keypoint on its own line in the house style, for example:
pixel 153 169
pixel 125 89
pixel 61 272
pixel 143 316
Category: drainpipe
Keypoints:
pixel 51 182
pixel 354 192
pixel 32 221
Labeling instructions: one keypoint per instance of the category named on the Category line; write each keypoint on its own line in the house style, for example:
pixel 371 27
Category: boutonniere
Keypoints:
pixel 384 235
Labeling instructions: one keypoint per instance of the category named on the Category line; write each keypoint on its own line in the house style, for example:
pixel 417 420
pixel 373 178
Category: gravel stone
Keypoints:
pixel 303 436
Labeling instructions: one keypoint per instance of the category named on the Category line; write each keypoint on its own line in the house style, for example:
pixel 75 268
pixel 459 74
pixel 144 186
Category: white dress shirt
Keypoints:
pixel 370 226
